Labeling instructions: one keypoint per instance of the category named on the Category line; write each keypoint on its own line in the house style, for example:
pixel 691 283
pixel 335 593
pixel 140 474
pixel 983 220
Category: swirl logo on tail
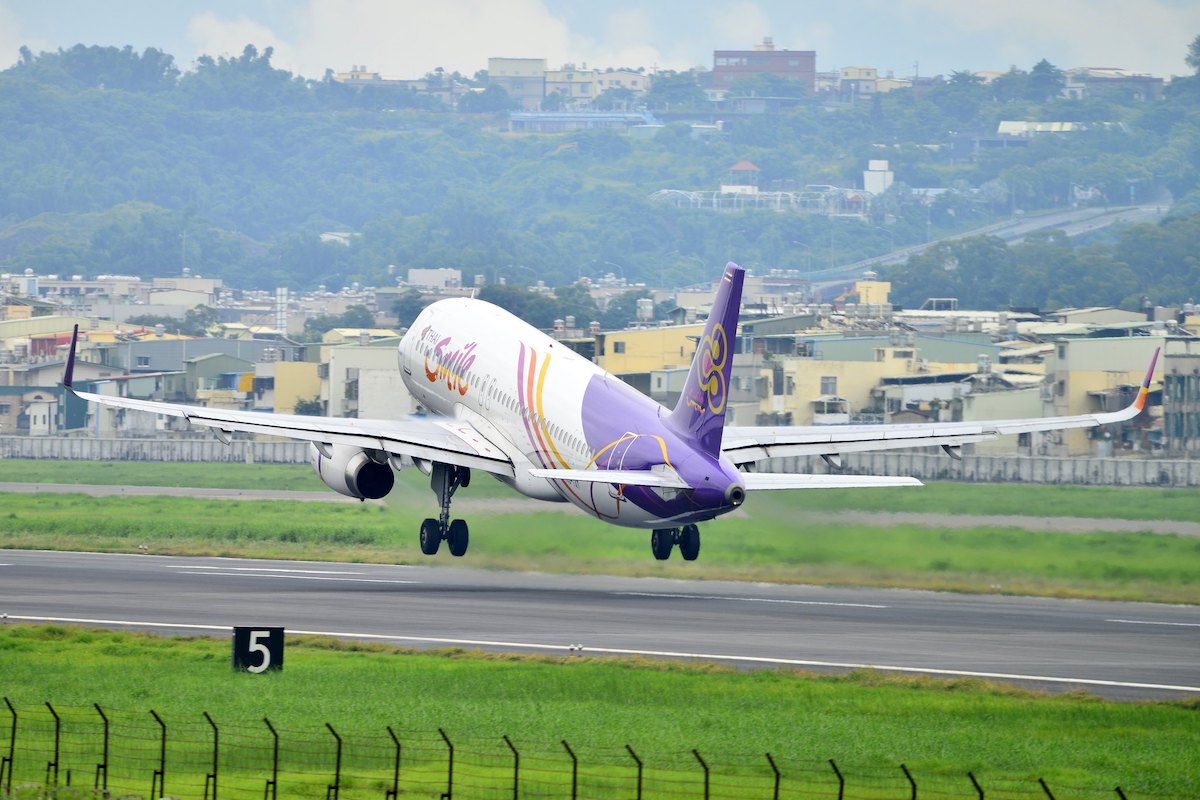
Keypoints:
pixel 710 378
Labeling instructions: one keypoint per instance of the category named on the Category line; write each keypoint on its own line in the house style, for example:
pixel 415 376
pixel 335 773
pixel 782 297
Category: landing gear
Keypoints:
pixel 689 542
pixel 663 540
pixel 445 481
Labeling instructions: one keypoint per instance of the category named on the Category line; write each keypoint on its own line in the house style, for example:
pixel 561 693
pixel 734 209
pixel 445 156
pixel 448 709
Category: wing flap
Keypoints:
pixel 655 479
pixel 768 481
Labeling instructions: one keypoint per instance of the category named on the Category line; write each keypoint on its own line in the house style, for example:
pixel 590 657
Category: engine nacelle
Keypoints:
pixel 354 472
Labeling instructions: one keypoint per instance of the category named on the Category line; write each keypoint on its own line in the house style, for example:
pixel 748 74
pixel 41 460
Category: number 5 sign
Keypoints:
pixel 257 649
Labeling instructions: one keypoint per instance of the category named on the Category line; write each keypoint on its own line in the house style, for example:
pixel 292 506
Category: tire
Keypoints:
pixel 464 477
pixel 431 537
pixel 689 542
pixel 661 543
pixel 458 538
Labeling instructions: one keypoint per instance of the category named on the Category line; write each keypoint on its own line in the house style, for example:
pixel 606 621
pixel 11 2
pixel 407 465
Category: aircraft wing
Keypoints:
pixel 746 445
pixel 430 438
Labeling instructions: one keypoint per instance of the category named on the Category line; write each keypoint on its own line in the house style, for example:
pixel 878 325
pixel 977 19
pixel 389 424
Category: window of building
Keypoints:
pixel 618 347
pixel 829 384
pixel 5 408
pixel 143 361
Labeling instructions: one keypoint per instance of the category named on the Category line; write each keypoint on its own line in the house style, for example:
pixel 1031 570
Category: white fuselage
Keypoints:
pixel 470 360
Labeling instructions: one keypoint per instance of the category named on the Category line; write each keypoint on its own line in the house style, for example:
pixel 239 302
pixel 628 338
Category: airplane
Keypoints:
pixel 508 400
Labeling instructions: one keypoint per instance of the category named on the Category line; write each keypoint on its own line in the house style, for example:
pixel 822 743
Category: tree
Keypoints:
pixel 408 306
pixel 1193 55
pixel 1046 82
pixel 490 100
pixel 309 408
pixel 675 90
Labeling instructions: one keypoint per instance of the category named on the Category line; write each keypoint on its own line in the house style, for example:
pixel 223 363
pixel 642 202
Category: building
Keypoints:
pixel 1181 397
pixel 1094 375
pixel 576 87
pixel 523 78
pixel 1112 83
pixel 731 66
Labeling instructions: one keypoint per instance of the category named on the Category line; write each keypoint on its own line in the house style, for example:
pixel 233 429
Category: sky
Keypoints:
pixel 406 38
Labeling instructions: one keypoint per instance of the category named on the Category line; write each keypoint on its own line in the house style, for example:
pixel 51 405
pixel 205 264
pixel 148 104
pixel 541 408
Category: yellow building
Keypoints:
pixel 294 380
pixel 645 350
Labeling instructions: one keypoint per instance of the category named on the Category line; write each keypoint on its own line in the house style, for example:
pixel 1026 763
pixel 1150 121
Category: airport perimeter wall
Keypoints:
pixel 922 464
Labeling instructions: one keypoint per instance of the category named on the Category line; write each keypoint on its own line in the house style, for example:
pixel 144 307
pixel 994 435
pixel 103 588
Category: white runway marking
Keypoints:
pixel 746 599
pixel 615 651
pixel 1152 622
pixel 272 569
pixel 295 577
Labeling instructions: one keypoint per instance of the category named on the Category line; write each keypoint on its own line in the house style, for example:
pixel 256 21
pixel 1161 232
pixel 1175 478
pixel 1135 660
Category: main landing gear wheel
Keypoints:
pixel 457 537
pixel 689 542
pixel 445 480
pixel 662 540
pixel 431 537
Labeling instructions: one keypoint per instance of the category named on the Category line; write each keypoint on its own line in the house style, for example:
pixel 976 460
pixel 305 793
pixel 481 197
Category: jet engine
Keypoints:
pixel 354 472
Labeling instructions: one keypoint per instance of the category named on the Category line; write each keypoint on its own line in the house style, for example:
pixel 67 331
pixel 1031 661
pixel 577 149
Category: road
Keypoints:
pixel 1118 650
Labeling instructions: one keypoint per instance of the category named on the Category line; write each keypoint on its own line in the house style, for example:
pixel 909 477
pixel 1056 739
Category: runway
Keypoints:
pixel 1117 650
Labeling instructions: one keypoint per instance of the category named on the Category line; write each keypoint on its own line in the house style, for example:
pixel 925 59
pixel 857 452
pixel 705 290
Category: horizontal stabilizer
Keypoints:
pixel 665 479
pixel 764 481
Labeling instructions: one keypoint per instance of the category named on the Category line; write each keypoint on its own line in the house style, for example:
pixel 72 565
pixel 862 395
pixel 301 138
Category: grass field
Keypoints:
pixel 771 541
pixel 947 498
pixel 868 724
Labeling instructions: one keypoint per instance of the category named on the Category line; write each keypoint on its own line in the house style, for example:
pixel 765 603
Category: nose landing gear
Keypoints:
pixel 445 480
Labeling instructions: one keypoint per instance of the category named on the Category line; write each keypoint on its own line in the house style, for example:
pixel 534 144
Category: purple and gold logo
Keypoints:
pixel 710 377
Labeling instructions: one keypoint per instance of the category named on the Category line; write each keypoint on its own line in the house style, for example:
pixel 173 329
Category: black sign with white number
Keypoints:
pixel 257 649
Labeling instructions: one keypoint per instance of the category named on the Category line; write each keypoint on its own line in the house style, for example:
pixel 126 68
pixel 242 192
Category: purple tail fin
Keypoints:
pixel 700 412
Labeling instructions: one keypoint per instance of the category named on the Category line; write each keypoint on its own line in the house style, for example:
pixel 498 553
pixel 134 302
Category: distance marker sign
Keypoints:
pixel 257 649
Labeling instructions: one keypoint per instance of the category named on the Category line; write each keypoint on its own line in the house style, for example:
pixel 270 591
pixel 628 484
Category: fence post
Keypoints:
pixel 449 793
pixel 212 776
pixel 394 792
pixel 334 789
pixel 6 763
pixel 574 770
pixel 52 766
pixel 272 787
pixel 516 767
pixel 704 766
pixel 975 783
pixel 911 782
pixel 639 766
pixel 841 780
pixel 159 778
pixel 775 769
pixel 1046 789
pixel 102 767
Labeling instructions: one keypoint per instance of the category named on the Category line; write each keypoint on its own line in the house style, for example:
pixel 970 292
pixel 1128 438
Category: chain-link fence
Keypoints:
pixel 59 752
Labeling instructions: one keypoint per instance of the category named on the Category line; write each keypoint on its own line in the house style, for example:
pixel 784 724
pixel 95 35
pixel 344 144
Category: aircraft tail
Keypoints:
pixel 700 412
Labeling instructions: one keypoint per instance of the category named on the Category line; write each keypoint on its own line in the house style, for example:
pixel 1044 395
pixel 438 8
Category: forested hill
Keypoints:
pixel 116 162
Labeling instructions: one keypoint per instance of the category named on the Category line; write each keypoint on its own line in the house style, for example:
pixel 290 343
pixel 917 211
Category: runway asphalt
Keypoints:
pixel 1116 650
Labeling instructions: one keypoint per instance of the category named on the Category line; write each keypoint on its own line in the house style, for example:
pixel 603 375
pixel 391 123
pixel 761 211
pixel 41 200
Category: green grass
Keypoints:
pixel 945 498
pixel 767 543
pixel 869 724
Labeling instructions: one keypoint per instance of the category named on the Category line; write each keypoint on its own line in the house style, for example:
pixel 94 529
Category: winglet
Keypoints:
pixel 1140 402
pixel 69 373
